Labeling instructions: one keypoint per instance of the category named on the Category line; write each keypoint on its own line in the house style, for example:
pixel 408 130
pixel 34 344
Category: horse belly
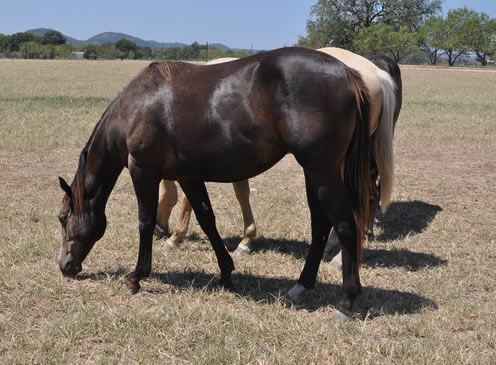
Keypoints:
pixel 229 163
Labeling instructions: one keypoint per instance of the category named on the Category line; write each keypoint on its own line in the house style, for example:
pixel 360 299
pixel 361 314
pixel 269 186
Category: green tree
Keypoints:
pixel 15 40
pixel 383 38
pixel 3 41
pixel 109 52
pixel 144 53
pixel 191 52
pixel 431 36
pixel 338 22
pixel 63 51
pixel 480 35
pixel 126 47
pixel 90 52
pixel 460 30
pixel 53 37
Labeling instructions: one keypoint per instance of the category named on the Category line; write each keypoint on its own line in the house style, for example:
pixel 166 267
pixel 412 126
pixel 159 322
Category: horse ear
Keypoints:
pixel 65 187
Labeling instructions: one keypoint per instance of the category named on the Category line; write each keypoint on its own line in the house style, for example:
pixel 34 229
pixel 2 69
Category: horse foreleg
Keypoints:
pixel 196 193
pixel 242 191
pixel 145 182
pixel 167 199
pixel 181 228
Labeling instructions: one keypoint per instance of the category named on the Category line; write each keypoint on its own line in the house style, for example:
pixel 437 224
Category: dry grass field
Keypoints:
pixel 429 276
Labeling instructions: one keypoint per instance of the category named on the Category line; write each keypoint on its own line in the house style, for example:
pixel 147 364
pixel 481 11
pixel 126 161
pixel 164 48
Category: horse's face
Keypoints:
pixel 79 233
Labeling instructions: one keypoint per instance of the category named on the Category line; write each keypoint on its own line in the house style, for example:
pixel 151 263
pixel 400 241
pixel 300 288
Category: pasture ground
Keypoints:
pixel 429 283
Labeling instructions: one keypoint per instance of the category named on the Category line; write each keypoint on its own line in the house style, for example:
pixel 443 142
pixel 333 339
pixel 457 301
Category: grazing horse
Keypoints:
pixel 226 123
pixel 377 76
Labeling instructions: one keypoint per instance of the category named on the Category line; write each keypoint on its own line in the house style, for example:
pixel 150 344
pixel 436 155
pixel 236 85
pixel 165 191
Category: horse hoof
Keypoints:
pixel 167 246
pixel 161 231
pixel 296 293
pixel 339 316
pixel 242 250
pixel 130 287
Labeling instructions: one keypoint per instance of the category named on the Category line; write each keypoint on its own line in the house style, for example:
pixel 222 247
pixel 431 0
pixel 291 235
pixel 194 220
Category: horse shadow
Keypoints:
pixel 372 257
pixel 411 261
pixel 404 218
pixel 373 302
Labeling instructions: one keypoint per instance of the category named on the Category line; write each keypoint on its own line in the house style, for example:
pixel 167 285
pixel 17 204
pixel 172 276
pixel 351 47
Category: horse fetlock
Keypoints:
pixel 352 289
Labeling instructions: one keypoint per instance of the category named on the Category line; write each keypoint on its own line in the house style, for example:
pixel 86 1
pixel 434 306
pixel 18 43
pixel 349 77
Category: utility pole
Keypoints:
pixel 206 53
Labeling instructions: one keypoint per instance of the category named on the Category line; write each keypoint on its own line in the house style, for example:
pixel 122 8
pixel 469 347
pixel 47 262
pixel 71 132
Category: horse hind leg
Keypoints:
pixel 338 205
pixel 181 228
pixel 321 225
pixel 242 191
pixel 197 194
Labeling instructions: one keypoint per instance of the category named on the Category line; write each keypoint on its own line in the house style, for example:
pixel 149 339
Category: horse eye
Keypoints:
pixel 62 219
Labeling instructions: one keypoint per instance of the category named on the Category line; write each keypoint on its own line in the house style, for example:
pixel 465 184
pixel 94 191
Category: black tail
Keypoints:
pixel 357 163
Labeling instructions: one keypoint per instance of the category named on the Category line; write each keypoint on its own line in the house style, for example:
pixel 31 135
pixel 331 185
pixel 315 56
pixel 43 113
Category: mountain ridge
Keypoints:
pixel 113 37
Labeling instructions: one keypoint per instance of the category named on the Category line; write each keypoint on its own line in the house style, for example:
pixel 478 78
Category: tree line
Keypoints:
pixel 53 44
pixel 400 28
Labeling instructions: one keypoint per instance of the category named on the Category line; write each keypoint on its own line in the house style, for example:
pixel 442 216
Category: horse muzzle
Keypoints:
pixel 69 269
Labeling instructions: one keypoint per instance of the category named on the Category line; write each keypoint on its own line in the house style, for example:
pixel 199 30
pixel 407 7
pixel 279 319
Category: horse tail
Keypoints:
pixel 383 139
pixel 357 160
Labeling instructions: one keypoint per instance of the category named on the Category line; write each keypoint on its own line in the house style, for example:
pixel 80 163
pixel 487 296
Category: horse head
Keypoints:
pixel 81 228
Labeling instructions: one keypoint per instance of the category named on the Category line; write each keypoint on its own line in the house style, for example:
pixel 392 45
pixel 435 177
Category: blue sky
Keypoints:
pixel 263 24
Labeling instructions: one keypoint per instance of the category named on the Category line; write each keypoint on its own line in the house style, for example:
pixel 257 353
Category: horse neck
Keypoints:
pixel 101 169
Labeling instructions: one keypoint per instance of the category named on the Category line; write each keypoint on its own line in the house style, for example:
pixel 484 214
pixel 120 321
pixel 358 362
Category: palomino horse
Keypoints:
pixel 380 91
pixel 225 123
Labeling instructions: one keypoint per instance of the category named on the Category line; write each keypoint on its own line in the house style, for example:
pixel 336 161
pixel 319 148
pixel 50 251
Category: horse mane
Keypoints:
pixel 77 186
pixel 166 69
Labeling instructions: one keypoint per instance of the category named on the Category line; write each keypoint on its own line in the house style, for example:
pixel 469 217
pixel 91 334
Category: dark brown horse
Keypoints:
pixel 226 123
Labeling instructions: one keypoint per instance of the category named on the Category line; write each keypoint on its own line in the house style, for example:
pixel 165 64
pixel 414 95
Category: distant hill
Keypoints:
pixel 112 37
pixel 41 31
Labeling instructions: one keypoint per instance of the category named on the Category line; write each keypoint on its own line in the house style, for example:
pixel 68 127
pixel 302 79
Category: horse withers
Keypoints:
pixel 226 123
